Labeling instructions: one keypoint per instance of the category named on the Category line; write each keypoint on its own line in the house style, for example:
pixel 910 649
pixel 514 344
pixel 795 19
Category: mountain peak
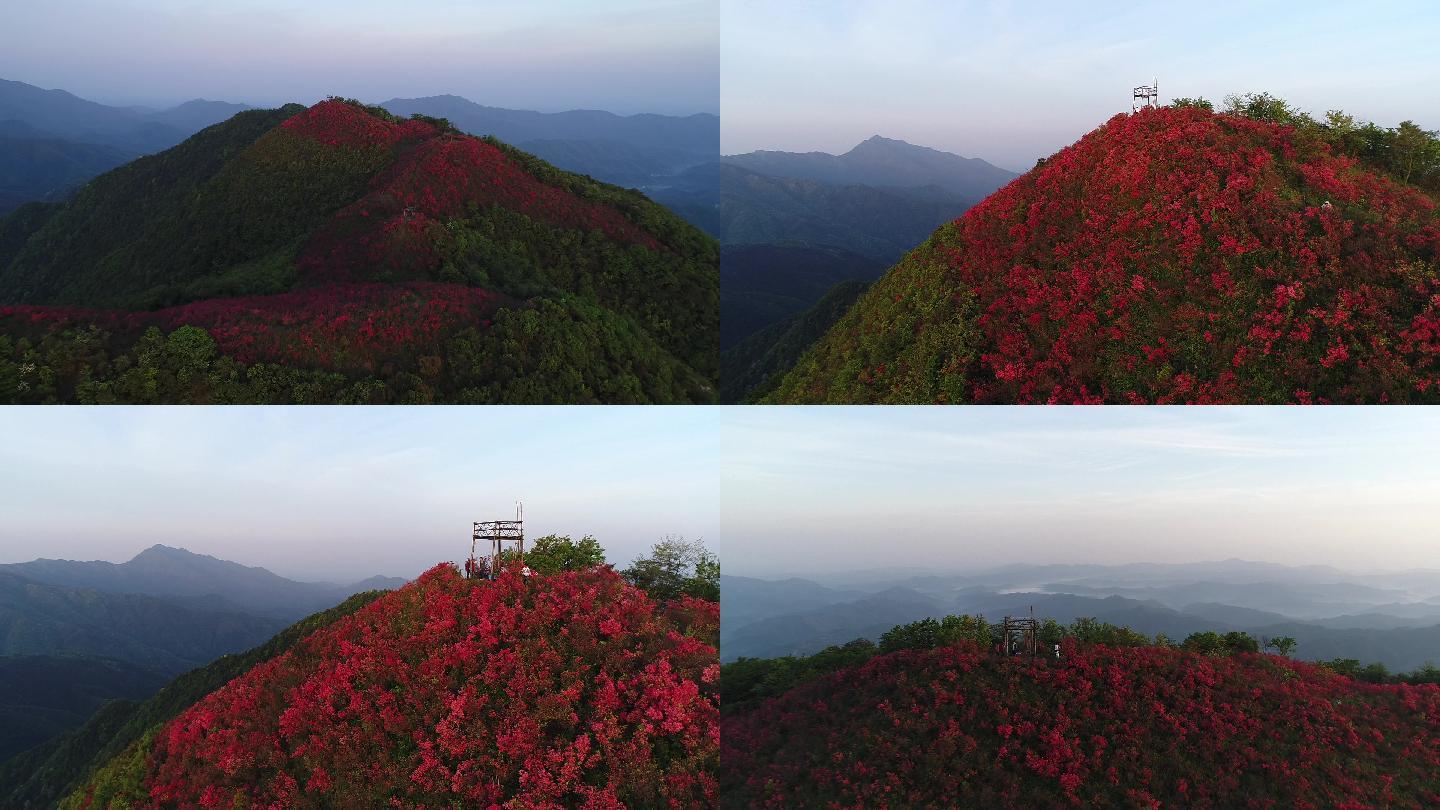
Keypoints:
pixel 161 551
pixel 645 726
pixel 1263 220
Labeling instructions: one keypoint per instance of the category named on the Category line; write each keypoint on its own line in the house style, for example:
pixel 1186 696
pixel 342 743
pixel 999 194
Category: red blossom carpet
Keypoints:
pixel 1173 255
pixel 1102 727
pixel 559 691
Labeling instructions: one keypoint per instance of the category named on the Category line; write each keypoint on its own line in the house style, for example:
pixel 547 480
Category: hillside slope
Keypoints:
pixel 43 775
pixel 878 223
pixel 42 696
pixel 1099 727
pixel 1173 255
pixel 750 367
pixel 761 285
pixel 36 165
pixel 146 631
pixel 554 690
pixel 341 241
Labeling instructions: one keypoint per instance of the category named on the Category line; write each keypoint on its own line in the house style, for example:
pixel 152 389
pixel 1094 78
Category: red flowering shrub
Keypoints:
pixel 1100 727
pixel 1172 255
pixel 339 123
pixel 339 326
pixel 462 693
pixel 397 226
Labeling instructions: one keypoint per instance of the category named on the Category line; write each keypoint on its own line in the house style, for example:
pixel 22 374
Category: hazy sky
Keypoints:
pixel 819 490
pixel 346 493
pixel 1014 81
pixel 626 56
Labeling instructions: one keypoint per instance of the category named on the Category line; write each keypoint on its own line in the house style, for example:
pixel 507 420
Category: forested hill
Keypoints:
pixel 339 253
pixel 1171 255
pixel 562 689
pixel 1208 724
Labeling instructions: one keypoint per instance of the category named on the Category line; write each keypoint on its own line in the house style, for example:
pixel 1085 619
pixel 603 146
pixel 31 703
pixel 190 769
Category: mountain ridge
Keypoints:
pixel 880 161
pixel 165 571
pixel 415 262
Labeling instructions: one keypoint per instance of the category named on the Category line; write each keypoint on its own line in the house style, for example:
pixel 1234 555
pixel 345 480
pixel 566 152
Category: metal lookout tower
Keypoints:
pixel 495 534
pixel 1146 95
pixel 1020 635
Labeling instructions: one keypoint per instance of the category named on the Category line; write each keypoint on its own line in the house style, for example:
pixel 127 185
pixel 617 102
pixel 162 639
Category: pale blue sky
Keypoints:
pixel 838 489
pixel 345 493
pixel 1014 81
pixel 626 56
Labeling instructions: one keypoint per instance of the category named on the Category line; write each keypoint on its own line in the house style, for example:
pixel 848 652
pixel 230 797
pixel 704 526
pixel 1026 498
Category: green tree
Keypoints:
pixel 1237 642
pixel 1265 107
pixel 676 567
pixel 1283 645
pixel 554 553
pixel 1199 102
pixel 1208 643
pixel 920 635
pixel 1414 151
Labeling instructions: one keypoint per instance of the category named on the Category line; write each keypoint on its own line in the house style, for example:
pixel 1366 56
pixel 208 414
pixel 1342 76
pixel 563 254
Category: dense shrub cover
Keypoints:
pixel 571 689
pixel 394 344
pixel 271 231
pixel 341 326
pixel 1172 255
pixel 1102 726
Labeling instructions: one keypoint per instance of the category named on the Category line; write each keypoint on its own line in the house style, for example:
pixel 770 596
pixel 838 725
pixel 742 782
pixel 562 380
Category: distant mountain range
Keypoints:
pixel 197 579
pixel 1389 618
pixel 883 163
pixel 135 131
pixel 357 257
pixel 147 631
pixel 646 151
pixel 878 223
pixel 52 141
pixel 74 635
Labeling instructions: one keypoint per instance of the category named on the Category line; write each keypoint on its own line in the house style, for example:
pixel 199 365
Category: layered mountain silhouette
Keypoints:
pixel 1097 726
pixel 146 631
pixel 560 689
pixel 645 151
pixel 1173 255
pixel 340 253
pixel 883 162
pixel 783 217
pixel 52 142
pixel 74 635
pixel 129 130
pixel 196 579
pixel 878 223
pixel 36 165
pixel 1385 618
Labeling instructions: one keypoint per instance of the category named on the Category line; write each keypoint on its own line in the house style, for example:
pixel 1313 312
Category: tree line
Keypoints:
pixel 1407 152
pixel 748 680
